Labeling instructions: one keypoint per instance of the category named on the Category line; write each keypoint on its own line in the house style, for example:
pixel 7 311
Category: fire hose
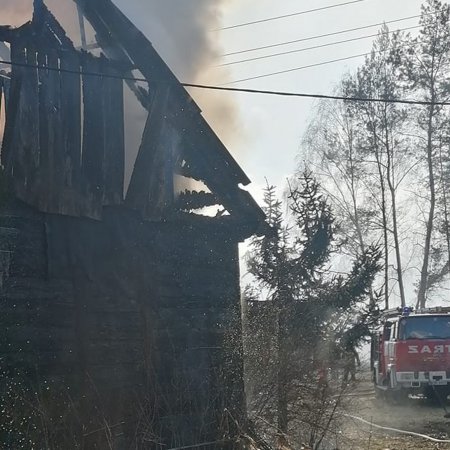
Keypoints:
pixel 395 430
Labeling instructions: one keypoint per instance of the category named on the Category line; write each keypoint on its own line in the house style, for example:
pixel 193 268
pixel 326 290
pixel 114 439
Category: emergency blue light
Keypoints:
pixel 407 310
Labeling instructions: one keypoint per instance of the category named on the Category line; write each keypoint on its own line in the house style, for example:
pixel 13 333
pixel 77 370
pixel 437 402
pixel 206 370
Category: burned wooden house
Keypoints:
pixel 119 308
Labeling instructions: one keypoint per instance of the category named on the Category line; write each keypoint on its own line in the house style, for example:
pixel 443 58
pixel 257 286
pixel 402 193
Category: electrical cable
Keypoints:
pixel 295 69
pixel 284 16
pixel 273 55
pixel 310 38
pixel 231 89
pixel 317 96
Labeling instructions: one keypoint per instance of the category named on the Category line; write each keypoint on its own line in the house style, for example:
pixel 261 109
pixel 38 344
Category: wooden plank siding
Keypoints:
pixel 114 132
pixel 151 188
pixel 208 156
pixel 145 319
pixel 57 163
pixel 128 324
pixel 71 131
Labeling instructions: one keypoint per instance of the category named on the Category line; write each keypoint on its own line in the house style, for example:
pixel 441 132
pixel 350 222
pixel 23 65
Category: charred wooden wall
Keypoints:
pixel 129 329
pixel 119 314
pixel 63 146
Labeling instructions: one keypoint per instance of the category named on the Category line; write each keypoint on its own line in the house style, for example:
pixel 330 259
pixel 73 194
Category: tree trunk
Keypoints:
pixel 421 296
pixel 385 229
pixel 392 189
pixel 282 382
pixel 444 194
pixel 398 256
pixel 354 200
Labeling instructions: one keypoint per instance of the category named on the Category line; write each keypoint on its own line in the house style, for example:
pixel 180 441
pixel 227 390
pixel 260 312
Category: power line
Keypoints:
pixel 295 69
pixel 269 19
pixel 316 96
pixel 295 41
pixel 231 89
pixel 273 55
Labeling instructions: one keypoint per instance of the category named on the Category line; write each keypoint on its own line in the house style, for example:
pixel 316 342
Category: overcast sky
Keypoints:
pixel 274 125
pixel 263 133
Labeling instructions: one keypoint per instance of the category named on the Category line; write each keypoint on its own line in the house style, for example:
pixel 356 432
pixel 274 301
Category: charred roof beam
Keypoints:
pixel 139 49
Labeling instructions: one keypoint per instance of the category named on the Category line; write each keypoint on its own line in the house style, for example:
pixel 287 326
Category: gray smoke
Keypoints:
pixel 180 30
pixel 15 12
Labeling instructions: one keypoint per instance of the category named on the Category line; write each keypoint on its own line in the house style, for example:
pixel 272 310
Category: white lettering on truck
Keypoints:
pixel 429 349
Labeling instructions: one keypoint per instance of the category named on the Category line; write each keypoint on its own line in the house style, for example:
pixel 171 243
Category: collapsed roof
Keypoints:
pixel 64 148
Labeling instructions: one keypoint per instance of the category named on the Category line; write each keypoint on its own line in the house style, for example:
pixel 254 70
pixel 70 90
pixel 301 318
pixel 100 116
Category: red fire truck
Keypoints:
pixel 411 352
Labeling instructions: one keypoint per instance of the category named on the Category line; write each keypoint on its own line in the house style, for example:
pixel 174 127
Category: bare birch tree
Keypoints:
pixel 427 67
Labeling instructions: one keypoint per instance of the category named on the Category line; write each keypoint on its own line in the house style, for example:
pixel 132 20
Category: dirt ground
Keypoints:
pixel 415 414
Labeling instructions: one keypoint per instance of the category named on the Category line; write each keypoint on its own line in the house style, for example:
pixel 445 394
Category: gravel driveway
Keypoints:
pixel 415 415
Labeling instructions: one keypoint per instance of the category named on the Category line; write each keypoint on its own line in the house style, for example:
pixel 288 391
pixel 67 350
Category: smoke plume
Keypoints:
pixel 180 30
pixel 15 12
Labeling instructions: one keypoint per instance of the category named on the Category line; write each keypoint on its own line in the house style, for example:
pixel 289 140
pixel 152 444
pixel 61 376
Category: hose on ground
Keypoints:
pixel 395 430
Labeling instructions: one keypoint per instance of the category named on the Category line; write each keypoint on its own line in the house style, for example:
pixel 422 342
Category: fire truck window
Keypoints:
pixel 433 327
pixel 401 329
pixel 387 331
pixel 394 331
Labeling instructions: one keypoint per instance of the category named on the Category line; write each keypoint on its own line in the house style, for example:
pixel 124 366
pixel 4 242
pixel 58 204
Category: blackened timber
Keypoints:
pixel 114 132
pixel 44 127
pixel 10 155
pixel 48 27
pixel 236 200
pixel 93 137
pixel 113 50
pixel 188 170
pixel 154 69
pixel 237 229
pixel 71 129
pixel 24 160
pixel 189 200
pixel 148 186
pixel 222 172
pixel 52 165
pixel 30 126
pixel 42 142
pixel 7 33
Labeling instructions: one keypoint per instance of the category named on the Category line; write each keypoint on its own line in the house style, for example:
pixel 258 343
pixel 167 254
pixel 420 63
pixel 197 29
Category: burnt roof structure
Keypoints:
pixel 56 92
pixel 120 309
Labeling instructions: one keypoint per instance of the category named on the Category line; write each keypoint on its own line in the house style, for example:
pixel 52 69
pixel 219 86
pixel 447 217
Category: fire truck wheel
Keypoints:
pixel 397 397
pixel 437 395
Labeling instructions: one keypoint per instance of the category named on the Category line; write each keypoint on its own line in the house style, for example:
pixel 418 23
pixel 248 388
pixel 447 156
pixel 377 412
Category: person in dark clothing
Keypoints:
pixel 351 360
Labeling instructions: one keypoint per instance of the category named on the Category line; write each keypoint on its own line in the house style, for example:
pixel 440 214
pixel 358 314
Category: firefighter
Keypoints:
pixel 350 360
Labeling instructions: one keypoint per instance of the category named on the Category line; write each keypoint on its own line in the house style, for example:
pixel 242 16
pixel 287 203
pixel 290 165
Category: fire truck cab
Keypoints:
pixel 411 352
